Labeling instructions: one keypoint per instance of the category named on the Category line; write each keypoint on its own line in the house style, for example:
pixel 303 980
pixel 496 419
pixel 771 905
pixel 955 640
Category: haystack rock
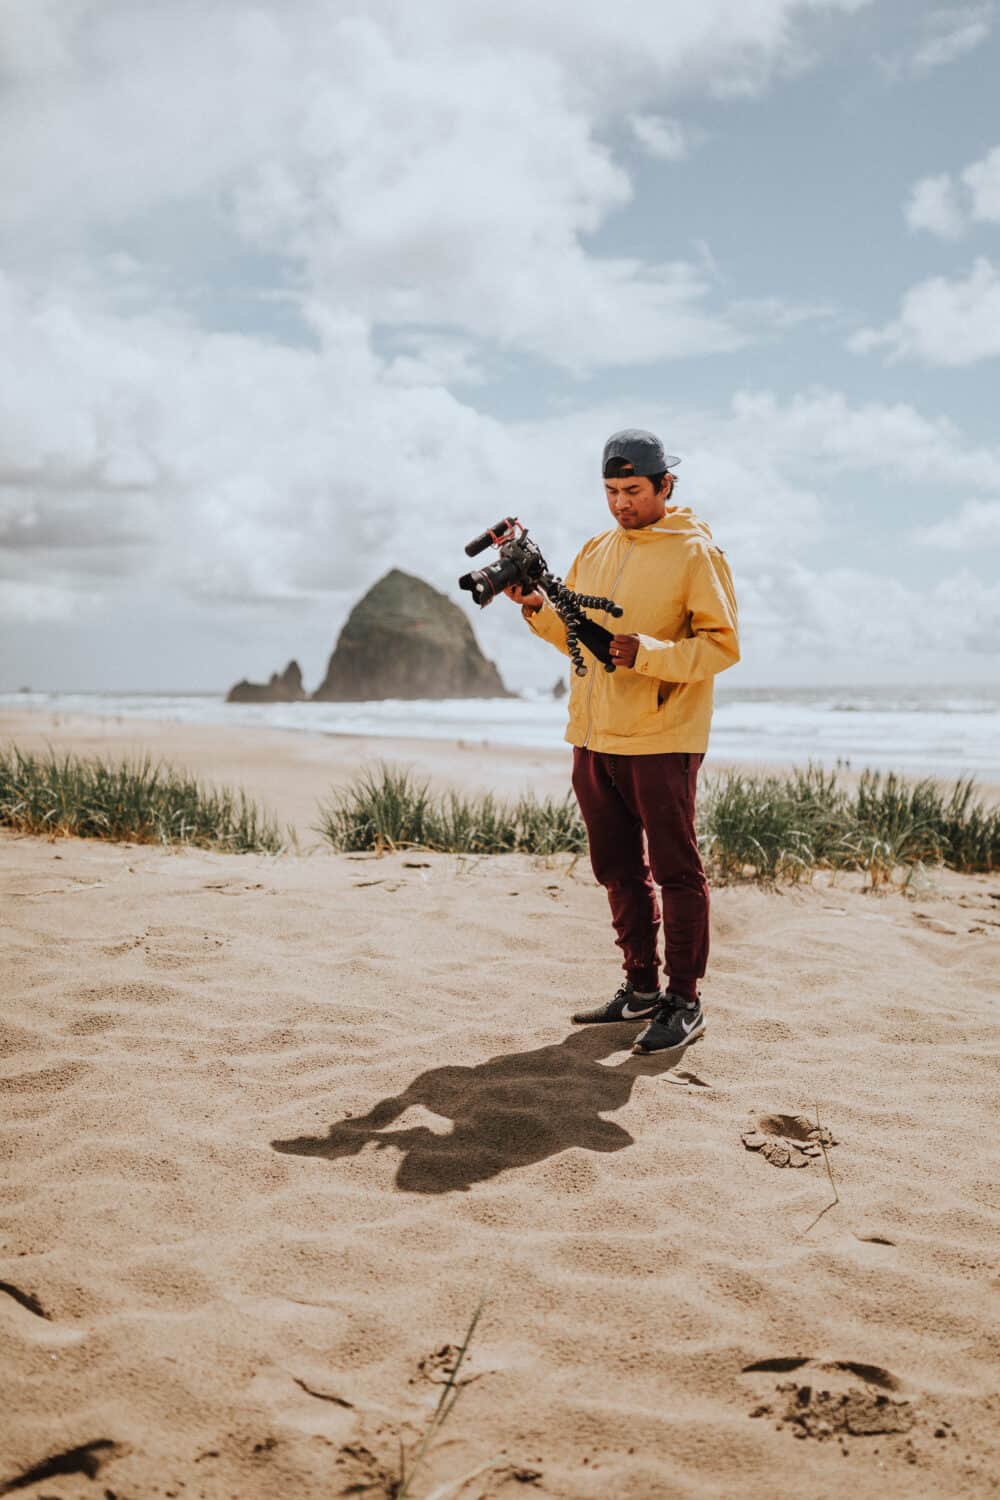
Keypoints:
pixel 406 640
pixel 284 687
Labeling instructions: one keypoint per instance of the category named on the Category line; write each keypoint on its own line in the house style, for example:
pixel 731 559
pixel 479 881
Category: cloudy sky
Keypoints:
pixel 293 293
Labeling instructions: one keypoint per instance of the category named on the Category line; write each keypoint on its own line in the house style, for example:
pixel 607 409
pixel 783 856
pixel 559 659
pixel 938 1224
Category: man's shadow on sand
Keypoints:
pixel 509 1111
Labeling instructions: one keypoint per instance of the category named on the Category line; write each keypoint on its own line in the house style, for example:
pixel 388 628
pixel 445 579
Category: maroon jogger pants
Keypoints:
pixel 622 798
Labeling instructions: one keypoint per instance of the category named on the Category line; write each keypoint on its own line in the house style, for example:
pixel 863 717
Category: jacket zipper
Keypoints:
pixel 611 595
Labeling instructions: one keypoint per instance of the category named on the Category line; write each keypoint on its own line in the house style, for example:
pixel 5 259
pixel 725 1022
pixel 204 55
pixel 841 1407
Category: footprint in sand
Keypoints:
pixel 835 1409
pixel 119 949
pixel 787 1140
pixel 180 947
pixel 439 1367
pixel 824 1414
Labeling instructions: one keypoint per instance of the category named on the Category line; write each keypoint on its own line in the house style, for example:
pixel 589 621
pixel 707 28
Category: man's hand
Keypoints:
pixel 624 650
pixel 532 601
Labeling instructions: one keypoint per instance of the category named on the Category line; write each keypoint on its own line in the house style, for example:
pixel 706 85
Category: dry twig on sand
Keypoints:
pixel 446 1405
pixel 829 1172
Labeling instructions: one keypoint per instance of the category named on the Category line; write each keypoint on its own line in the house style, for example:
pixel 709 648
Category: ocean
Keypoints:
pixel 948 732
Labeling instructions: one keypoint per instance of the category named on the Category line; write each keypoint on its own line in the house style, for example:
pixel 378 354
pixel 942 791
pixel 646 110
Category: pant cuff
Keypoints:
pixel 678 985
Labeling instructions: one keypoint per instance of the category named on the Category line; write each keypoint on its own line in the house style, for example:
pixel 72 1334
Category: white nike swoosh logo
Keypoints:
pixel 686 1028
pixel 628 1014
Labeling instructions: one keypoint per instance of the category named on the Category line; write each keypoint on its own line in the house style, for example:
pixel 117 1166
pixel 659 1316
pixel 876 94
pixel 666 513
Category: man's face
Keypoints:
pixel 634 502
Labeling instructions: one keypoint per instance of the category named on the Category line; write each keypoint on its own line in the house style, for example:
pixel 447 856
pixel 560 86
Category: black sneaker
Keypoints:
pixel 625 1006
pixel 676 1023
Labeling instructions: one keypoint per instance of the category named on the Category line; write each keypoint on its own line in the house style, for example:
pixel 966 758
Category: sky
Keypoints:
pixel 291 294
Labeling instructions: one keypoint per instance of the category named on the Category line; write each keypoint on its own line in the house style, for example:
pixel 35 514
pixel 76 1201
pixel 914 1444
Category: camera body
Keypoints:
pixel 521 564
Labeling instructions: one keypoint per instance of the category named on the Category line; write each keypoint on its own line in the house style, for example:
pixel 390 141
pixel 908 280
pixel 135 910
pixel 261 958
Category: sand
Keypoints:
pixel 273 1128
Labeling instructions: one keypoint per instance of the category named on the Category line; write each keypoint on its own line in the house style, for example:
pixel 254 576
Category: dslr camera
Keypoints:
pixel 522 565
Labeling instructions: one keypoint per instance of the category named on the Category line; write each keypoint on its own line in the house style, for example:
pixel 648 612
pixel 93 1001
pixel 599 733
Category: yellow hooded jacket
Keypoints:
pixel 676 591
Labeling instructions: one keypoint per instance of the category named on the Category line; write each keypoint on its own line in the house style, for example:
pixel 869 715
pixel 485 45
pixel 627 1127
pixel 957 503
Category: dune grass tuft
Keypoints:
pixel 750 827
pixel 780 828
pixel 128 800
pixel 385 807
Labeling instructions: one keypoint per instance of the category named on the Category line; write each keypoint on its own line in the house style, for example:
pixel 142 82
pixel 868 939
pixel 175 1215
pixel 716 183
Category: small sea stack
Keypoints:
pixel 283 687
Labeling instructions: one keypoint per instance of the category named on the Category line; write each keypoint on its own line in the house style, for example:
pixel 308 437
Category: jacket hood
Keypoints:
pixel 677 520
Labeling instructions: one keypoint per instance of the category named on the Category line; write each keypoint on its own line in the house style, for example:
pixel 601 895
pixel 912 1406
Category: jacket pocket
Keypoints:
pixel 634 705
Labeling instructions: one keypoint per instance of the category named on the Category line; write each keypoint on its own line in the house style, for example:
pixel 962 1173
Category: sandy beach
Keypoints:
pixel 274 1127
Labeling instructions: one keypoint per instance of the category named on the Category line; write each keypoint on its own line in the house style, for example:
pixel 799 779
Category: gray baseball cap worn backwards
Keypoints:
pixel 643 450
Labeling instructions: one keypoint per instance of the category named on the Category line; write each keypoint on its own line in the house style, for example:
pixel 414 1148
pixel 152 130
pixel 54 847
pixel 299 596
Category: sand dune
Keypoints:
pixel 273 1127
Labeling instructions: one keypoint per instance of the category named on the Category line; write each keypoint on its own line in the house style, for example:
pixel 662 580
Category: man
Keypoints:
pixel 640 733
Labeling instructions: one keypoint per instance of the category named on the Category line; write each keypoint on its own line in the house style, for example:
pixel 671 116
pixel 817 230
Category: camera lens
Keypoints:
pixel 485 583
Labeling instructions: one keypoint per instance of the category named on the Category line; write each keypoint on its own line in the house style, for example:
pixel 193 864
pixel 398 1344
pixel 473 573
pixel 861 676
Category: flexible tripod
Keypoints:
pixel 569 606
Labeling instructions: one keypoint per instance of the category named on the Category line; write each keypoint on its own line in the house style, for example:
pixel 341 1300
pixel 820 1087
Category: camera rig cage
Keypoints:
pixel 521 563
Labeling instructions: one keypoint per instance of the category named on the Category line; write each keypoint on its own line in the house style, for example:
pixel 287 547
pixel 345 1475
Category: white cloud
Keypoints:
pixel 822 431
pixel 949 35
pixel 934 205
pixel 229 479
pixel 946 206
pixel 475 226
pixel 849 611
pixel 226 468
pixel 860 625
pixel 30 603
pixel 430 181
pixel 432 359
pixel 982 179
pixel 966 612
pixel 768 316
pixel 942 321
pixel 446 172
pixel 974 527
pixel 664 138
pixel 36 39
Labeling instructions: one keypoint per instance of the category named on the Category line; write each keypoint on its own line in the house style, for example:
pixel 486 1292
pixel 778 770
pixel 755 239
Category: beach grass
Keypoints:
pixel 129 800
pixel 767 828
pixel 781 827
pixel 772 828
pixel 387 808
